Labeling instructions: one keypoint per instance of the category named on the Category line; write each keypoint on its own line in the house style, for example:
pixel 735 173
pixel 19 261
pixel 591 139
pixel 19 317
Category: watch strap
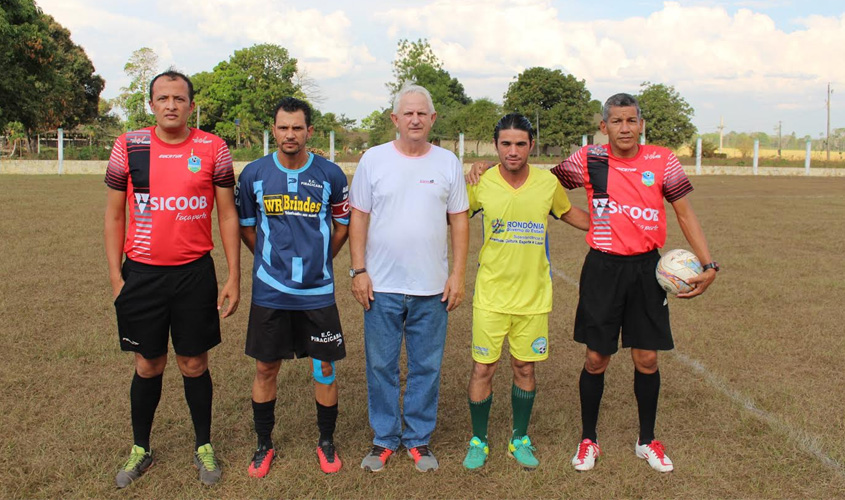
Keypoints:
pixel 712 265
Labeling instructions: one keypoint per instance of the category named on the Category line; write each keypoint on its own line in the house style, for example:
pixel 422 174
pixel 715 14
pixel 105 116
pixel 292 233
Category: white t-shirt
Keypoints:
pixel 408 199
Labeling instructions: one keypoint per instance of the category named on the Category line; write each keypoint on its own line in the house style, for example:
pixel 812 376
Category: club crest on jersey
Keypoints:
pixel 648 178
pixel 497 226
pixel 597 151
pixel 194 163
pixel 540 345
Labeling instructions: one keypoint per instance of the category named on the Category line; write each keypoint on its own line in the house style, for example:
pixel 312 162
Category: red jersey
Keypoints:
pixel 170 192
pixel 625 195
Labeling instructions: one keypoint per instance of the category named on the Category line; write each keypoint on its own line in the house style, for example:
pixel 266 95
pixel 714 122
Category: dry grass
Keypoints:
pixel 751 401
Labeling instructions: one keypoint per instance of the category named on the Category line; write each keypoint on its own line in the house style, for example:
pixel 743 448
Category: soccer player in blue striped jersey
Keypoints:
pixel 294 214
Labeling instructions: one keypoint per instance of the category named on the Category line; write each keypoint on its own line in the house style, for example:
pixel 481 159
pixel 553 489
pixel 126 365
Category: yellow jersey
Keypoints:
pixel 514 274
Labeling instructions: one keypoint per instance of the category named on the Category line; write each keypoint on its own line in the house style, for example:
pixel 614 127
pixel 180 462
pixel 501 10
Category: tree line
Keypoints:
pixel 49 82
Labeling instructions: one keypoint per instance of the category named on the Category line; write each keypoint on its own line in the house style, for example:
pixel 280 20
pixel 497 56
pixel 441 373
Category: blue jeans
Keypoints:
pixel 422 322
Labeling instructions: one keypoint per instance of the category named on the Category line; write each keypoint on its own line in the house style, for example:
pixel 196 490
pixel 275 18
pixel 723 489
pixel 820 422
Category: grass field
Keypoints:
pixel 751 404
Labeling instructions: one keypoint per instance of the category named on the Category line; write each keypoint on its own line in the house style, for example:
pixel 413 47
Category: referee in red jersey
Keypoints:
pixel 626 184
pixel 170 176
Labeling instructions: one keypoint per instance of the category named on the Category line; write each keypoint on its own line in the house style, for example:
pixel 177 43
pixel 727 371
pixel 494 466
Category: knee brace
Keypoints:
pixel 318 372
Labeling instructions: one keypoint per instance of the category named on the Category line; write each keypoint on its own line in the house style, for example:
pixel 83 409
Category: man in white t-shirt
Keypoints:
pixel 402 196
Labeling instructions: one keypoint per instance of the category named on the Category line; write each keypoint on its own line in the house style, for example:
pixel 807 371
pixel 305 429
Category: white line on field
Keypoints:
pixel 565 277
pixel 807 442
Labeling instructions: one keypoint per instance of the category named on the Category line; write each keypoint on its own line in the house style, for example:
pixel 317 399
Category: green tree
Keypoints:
pixel 325 123
pixel 46 80
pixel 247 88
pixel 417 63
pixel 141 67
pixel 106 127
pixel 409 56
pixel 561 101
pixel 379 127
pixel 667 115
pixel 477 120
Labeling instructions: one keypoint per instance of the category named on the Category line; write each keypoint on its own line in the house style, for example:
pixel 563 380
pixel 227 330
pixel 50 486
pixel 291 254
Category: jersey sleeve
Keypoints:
pixel 472 195
pixel 676 184
pixel 117 173
pixel 339 197
pixel 457 201
pixel 245 199
pixel 224 173
pixel 570 172
pixel 361 192
pixel 560 202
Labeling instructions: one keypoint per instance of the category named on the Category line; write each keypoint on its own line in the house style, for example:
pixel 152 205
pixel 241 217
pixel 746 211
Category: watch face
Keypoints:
pixel 351 273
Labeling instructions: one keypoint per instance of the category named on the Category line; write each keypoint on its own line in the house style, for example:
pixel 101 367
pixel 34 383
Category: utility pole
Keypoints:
pixel 721 128
pixel 827 141
pixel 537 121
pixel 780 127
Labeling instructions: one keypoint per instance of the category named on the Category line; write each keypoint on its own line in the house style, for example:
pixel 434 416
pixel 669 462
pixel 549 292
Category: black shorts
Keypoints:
pixel 622 292
pixel 275 334
pixel 181 300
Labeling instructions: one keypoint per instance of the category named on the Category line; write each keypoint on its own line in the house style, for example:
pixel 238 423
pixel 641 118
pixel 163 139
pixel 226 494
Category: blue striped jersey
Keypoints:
pixel 292 211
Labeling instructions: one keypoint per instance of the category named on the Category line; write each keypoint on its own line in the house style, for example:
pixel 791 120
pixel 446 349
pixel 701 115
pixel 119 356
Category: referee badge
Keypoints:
pixel 648 178
pixel 194 163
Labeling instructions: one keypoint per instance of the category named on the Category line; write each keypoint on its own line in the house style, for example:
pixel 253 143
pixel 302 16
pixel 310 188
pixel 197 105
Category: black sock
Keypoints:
pixel 198 394
pixel 647 389
pixel 591 387
pixel 144 395
pixel 326 420
pixel 264 418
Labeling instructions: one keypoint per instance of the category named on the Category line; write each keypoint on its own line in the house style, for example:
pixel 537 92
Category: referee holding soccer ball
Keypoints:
pixel 626 184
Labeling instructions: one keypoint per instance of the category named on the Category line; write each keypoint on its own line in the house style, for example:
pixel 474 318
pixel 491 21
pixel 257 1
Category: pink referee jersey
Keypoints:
pixel 170 192
pixel 625 195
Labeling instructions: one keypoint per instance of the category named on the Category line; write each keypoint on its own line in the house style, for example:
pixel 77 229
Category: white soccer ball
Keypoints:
pixel 675 269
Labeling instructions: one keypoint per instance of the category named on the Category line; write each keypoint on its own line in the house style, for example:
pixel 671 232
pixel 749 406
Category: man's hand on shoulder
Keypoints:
pixel 476 171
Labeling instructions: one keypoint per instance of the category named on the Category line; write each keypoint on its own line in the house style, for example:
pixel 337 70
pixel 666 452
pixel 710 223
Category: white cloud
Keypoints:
pixel 699 47
pixel 321 42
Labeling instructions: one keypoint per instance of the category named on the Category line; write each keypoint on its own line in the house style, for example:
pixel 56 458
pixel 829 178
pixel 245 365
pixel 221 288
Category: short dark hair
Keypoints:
pixel 172 74
pixel 516 121
pixel 621 100
pixel 292 104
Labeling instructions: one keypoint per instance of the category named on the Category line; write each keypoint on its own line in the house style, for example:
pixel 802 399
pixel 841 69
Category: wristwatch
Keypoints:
pixel 356 272
pixel 713 265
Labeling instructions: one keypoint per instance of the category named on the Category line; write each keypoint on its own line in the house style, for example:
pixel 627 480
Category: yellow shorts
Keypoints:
pixel 528 336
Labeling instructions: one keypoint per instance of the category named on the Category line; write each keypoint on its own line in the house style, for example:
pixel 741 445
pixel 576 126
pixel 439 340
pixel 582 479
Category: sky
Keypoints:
pixel 752 63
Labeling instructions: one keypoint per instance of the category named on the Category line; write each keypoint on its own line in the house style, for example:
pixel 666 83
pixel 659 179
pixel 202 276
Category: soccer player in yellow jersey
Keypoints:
pixel 513 288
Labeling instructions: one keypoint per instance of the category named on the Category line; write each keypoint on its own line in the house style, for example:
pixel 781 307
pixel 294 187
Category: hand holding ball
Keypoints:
pixel 675 269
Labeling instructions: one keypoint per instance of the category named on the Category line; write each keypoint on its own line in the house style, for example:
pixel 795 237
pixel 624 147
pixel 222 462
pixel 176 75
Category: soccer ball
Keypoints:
pixel 675 268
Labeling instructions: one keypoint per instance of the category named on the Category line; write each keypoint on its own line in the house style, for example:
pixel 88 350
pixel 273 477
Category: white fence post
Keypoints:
pixel 461 147
pixel 331 145
pixel 61 139
pixel 698 156
pixel 266 142
pixel 756 156
pixel 807 160
pixel 583 140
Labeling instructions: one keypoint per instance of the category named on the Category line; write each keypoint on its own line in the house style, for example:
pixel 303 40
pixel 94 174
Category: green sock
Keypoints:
pixel 479 411
pixel 522 402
